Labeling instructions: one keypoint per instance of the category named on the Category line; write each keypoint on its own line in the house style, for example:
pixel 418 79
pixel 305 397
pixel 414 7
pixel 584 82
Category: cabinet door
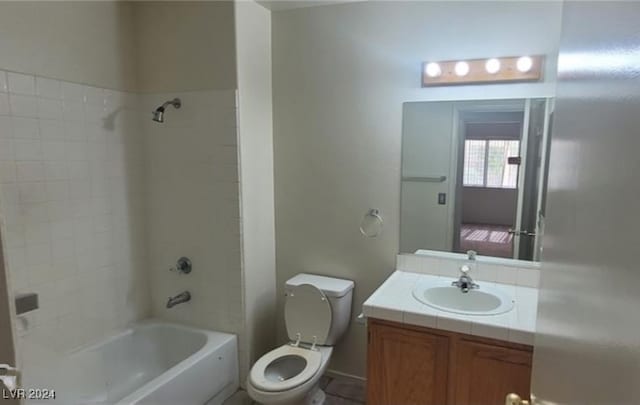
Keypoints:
pixel 406 367
pixel 485 373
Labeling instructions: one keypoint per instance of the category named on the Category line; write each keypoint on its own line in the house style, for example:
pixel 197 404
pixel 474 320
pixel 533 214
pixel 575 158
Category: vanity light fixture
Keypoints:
pixel 462 68
pixel 432 69
pixel 524 64
pixel 492 66
pixel 482 71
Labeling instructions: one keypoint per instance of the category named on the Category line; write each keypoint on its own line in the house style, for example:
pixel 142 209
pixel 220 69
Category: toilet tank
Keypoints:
pixel 339 292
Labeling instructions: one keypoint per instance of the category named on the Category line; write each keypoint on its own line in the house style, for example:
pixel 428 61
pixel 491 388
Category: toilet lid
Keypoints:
pixel 285 368
pixel 307 312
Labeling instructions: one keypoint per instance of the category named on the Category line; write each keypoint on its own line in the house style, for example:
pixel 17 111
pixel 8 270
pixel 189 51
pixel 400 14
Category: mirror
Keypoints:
pixel 474 176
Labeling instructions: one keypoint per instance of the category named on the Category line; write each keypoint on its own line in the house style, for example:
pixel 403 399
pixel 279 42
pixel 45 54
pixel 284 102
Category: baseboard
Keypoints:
pixel 340 374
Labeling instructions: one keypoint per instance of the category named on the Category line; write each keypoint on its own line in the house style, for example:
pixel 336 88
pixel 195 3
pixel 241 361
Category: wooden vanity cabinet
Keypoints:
pixel 409 365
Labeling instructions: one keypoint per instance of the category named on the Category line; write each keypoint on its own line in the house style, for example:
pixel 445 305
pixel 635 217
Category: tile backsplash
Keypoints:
pixel 514 272
pixel 72 197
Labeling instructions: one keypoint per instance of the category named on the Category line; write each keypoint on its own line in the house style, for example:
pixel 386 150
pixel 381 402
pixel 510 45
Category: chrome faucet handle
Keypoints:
pixel 183 265
pixel 464 269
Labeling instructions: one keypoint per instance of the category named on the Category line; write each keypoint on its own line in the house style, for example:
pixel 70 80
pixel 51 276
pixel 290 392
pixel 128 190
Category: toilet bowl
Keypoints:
pixel 317 311
pixel 289 375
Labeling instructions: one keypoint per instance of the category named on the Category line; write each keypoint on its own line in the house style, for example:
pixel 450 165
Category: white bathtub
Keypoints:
pixel 151 363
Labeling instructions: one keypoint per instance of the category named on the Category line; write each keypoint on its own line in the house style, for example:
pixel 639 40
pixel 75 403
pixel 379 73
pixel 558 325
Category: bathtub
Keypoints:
pixel 152 362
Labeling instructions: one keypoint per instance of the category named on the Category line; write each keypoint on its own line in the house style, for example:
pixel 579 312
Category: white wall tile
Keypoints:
pixel 48 88
pixel 528 277
pixel 49 109
pixel 94 95
pixel 6 127
pixel 204 140
pixel 25 128
pixel 30 171
pixel 72 110
pixel 32 192
pixel 62 209
pixel 3 81
pixel 23 106
pixel 72 92
pixel 28 149
pixel 21 84
pixel 53 150
pixel 7 149
pixel 57 170
pixel 7 171
pixel 506 274
pixel 51 130
pixel 5 109
pixel 519 273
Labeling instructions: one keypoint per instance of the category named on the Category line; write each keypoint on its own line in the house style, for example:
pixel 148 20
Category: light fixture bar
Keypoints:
pixel 482 71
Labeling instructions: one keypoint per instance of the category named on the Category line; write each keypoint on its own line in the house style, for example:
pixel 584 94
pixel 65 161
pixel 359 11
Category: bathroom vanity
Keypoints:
pixel 415 365
pixel 421 354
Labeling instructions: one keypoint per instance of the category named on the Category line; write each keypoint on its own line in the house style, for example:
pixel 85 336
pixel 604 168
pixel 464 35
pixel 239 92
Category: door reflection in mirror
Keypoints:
pixel 489 159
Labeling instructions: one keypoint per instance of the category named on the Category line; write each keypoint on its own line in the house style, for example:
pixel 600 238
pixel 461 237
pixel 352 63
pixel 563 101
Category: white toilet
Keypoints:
pixel 316 311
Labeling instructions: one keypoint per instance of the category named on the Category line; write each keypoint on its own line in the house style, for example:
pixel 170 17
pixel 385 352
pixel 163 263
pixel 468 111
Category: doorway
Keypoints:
pixel 489 163
pixel 501 170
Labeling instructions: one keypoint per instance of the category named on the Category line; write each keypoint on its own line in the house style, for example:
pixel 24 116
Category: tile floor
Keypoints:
pixel 339 391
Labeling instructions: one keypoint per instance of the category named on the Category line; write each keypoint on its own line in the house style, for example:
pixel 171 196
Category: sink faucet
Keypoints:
pixel 465 282
pixel 179 299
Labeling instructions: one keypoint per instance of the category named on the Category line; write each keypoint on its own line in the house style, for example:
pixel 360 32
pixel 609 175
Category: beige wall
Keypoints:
pixel 341 74
pixel 144 46
pixel 82 42
pixel 185 45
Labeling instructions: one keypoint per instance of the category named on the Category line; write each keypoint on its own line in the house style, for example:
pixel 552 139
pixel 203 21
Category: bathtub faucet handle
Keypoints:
pixel 183 265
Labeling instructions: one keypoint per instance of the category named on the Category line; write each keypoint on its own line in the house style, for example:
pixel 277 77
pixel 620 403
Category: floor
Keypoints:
pixel 487 240
pixel 339 391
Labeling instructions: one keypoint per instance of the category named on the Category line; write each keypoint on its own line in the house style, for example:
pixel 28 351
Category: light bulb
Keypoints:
pixel 462 68
pixel 492 65
pixel 433 69
pixel 524 64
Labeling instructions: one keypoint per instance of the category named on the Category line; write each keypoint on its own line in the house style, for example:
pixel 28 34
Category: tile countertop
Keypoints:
pixel 393 301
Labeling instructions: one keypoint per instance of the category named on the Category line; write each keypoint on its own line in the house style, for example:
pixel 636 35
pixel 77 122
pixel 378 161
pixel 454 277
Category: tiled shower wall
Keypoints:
pixel 73 201
pixel 194 208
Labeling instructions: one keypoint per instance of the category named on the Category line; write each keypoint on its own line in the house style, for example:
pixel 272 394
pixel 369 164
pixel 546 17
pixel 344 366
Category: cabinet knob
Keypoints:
pixel 514 399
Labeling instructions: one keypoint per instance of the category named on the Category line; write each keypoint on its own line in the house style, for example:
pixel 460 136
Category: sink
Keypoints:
pixel 485 300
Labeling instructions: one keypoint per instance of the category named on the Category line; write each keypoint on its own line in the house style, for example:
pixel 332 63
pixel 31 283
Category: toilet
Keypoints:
pixel 316 312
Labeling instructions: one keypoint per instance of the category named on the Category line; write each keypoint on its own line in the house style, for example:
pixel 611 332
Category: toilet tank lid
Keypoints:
pixel 330 286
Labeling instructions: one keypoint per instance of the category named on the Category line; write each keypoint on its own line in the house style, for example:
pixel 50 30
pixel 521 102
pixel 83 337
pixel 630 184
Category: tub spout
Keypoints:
pixel 179 299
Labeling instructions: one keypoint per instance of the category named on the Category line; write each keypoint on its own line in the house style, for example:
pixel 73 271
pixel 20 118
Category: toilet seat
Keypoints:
pixel 260 380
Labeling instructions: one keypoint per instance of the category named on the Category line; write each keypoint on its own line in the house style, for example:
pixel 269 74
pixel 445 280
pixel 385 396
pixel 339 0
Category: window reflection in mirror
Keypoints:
pixel 474 176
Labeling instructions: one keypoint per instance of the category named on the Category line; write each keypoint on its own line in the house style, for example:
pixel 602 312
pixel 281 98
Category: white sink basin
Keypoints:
pixel 485 300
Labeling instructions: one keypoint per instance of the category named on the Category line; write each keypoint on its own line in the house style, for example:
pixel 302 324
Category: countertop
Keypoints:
pixel 393 301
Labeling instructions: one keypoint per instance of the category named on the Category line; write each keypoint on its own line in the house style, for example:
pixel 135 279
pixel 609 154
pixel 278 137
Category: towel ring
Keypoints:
pixel 371 224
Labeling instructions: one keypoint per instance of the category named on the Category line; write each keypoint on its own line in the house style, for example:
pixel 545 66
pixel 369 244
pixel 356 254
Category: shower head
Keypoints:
pixel 158 113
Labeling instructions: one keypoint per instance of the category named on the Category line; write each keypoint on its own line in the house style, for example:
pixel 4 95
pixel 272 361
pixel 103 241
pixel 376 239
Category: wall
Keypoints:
pixel 253 42
pixel 184 45
pixel 495 206
pixel 81 42
pixel 341 74
pixel 587 331
pixel 72 199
